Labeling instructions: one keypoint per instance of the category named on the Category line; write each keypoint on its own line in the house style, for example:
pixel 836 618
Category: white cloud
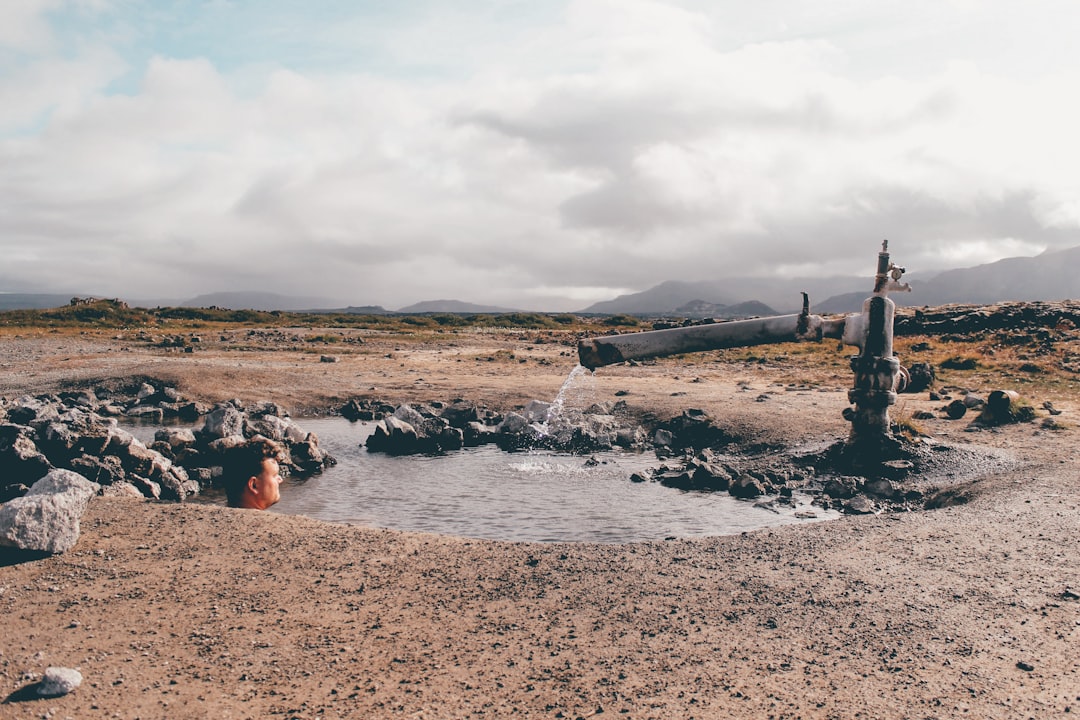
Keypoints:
pixel 608 146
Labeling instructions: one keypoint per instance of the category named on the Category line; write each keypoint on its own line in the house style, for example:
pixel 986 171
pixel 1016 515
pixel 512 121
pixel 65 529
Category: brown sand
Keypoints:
pixel 190 611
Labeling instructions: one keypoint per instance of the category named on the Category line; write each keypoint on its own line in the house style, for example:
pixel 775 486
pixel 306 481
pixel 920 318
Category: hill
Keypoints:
pixel 783 294
pixel 452 306
pixel 265 301
pixel 1049 276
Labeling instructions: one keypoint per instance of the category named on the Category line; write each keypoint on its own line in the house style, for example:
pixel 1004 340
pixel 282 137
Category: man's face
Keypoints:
pixel 268 483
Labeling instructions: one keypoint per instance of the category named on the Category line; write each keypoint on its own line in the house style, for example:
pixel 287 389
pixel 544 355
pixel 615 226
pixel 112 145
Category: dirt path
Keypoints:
pixel 188 611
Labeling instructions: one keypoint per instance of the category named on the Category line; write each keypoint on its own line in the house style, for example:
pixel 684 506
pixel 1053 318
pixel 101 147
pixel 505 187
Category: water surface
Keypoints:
pixel 532 496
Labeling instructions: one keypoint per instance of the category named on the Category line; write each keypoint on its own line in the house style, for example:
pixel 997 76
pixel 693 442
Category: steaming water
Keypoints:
pixel 487 493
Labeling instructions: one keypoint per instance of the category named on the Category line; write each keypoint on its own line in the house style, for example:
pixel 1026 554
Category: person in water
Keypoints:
pixel 253 475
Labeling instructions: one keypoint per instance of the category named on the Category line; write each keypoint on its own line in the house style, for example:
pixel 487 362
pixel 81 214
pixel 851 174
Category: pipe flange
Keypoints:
pixel 876 399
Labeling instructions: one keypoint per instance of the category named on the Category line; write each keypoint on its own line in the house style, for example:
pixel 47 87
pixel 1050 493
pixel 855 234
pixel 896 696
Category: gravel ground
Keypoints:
pixel 186 611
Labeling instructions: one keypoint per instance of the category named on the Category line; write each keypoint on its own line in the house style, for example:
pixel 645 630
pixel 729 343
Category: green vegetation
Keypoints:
pixel 112 314
pixel 622 321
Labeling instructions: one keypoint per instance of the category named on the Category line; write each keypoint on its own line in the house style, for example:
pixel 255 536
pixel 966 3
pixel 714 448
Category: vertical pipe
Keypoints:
pixel 876 369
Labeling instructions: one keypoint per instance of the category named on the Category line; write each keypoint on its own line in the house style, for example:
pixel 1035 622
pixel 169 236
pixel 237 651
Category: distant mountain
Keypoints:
pixel 258 301
pixel 1050 276
pixel 782 294
pixel 34 301
pixel 452 306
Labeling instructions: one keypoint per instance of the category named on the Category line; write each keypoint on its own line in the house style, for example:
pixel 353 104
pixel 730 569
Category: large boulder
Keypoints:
pixel 46 519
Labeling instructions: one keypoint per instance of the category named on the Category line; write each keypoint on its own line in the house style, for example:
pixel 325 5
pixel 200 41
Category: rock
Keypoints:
pixel 354 410
pixel 476 433
pixel 920 377
pixel 536 411
pixel 710 476
pixel 307 455
pixel 662 438
pixel 269 426
pixel 515 433
pixel 679 479
pixel 191 411
pixel 122 489
pixel 513 424
pixel 176 438
pixel 224 420
pixel 265 408
pixel 65 482
pixel 971 400
pixel 956 409
pixel 881 488
pixel 746 486
pixel 858 505
pixel 46 519
pixel 146 412
pixel 460 414
pixel 841 487
pixel 393 435
pixel 59 681
pixel 138 458
pixel 20 459
pixel 101 470
pixel 145 393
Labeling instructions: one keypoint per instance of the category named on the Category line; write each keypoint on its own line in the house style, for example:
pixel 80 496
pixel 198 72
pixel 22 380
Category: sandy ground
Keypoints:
pixel 190 611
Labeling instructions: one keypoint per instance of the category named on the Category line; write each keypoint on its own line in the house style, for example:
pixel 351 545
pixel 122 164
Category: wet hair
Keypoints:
pixel 245 461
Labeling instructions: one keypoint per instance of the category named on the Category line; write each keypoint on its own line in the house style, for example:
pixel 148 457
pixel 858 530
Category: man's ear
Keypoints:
pixel 253 484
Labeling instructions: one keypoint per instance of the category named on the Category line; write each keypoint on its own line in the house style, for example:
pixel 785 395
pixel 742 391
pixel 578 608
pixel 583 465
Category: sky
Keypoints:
pixel 531 154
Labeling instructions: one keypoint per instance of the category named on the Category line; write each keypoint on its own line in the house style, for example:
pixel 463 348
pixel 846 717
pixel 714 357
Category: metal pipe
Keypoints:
pixel 878 374
pixel 611 349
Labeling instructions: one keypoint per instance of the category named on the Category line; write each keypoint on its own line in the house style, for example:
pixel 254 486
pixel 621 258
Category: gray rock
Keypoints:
pixel 47 518
pixel 971 400
pixel 746 486
pixel 514 424
pixel 66 482
pixel 59 681
pixel 121 489
pixel 223 421
pixel 536 411
pixel 881 487
pixel 858 505
pixel 147 412
pixel 176 438
pixel 269 426
pixel 20 459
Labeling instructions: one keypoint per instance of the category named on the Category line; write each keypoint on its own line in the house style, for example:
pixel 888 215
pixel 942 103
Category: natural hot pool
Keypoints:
pixel 527 496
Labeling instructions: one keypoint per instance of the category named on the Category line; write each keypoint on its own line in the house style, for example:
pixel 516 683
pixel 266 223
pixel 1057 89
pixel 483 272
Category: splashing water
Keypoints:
pixel 560 417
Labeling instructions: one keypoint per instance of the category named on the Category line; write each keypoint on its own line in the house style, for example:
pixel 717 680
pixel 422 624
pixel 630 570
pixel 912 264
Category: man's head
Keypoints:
pixel 252 477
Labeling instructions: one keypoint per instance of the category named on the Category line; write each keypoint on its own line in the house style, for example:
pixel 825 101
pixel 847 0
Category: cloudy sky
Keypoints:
pixel 539 154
